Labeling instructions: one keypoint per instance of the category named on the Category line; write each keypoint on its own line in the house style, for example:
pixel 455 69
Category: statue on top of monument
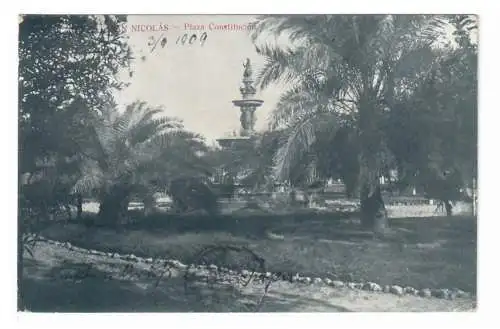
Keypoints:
pixel 248 69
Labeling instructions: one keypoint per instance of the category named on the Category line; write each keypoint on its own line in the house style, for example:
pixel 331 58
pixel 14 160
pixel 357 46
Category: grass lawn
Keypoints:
pixel 436 252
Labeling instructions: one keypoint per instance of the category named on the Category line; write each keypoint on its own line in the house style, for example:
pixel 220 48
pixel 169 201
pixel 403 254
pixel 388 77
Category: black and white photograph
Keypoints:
pixel 247 163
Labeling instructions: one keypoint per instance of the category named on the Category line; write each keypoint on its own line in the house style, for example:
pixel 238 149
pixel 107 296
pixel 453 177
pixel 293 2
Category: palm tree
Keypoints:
pixel 346 71
pixel 135 153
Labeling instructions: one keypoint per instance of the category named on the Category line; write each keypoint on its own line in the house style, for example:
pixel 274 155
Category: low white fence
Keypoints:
pixel 397 207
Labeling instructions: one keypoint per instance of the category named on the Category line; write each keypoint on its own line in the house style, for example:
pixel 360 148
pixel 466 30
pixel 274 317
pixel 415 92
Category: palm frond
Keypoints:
pixel 295 103
pixel 121 122
pixel 303 65
pixel 144 130
pixel 302 135
pixel 87 184
pixel 148 115
pixel 277 66
pixel 165 148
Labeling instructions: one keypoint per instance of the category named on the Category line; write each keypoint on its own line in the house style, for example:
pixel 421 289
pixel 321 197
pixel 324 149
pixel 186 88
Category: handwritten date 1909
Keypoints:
pixel 182 40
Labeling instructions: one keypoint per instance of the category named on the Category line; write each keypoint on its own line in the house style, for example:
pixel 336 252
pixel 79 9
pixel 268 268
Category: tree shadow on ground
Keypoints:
pixel 312 226
pixel 51 291
pixel 72 287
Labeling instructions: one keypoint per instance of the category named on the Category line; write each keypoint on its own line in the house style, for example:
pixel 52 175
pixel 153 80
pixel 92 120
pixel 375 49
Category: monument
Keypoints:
pixel 248 105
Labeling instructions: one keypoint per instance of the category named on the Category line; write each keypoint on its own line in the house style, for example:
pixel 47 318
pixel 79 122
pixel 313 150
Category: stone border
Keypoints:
pixel 367 286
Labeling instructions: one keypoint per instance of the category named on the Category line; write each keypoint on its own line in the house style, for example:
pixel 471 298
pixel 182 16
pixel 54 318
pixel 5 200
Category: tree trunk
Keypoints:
pixel 113 208
pixel 293 197
pixel 311 199
pixel 68 212
pixel 149 205
pixel 474 196
pixel 79 206
pixel 448 207
pixel 373 212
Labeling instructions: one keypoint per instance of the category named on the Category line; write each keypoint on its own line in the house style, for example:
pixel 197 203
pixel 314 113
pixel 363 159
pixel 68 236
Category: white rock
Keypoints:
pixel 358 285
pixel 328 281
pixel 372 286
pixel 338 284
pixel 410 291
pixel 317 281
pixel 462 294
pixel 305 279
pixel 177 264
pixel 441 293
pixel 396 290
pixel 351 285
pixel 425 293
pixel 192 270
pixel 245 273
pixel 212 267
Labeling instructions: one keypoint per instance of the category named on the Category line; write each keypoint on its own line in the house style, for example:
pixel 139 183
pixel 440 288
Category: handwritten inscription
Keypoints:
pixel 181 40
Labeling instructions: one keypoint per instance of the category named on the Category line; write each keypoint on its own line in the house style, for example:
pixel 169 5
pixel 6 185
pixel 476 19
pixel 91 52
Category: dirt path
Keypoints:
pixel 62 280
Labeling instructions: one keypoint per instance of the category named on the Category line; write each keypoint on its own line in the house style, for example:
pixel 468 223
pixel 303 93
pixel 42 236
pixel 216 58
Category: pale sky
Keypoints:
pixel 195 83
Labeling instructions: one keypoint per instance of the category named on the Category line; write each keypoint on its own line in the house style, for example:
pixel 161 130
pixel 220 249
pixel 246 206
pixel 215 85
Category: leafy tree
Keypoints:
pixel 67 71
pixel 434 130
pixel 346 72
pixel 48 190
pixel 61 58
